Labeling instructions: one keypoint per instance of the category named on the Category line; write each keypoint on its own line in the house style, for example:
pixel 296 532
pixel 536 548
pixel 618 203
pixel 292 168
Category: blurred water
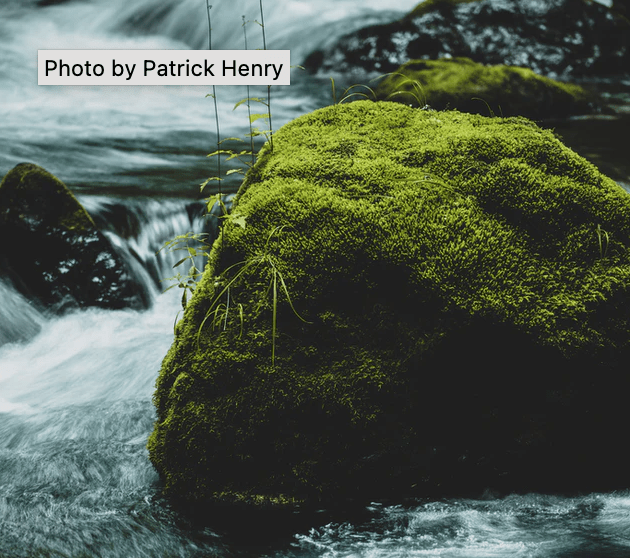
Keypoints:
pixel 523 526
pixel 108 137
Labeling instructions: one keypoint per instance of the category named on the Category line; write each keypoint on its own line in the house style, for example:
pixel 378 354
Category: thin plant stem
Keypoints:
pixel 249 107
pixel 216 110
pixel 262 24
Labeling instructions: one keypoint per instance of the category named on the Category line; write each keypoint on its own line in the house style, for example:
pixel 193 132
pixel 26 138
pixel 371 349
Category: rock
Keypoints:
pixel 622 6
pixel 414 297
pixel 52 250
pixel 562 39
pixel 460 83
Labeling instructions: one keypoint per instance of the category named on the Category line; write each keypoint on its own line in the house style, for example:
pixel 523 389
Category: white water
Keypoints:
pixel 75 390
pixel 516 526
pixel 125 130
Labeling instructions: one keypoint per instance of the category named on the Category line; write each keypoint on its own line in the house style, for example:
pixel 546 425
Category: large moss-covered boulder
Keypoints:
pixel 51 249
pixel 404 302
pixel 562 39
pixel 460 83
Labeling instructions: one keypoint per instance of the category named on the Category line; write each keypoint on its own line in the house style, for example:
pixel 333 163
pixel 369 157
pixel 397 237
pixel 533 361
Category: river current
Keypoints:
pixel 75 390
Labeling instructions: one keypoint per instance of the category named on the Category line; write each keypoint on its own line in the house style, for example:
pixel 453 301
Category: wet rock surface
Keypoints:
pixel 51 249
pixel 562 39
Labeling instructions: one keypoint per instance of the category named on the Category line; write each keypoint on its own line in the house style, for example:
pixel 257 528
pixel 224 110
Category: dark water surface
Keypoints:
pixel 75 391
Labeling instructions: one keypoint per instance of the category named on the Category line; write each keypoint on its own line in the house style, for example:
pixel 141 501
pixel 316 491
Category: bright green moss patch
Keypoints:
pixel 460 83
pixel 452 268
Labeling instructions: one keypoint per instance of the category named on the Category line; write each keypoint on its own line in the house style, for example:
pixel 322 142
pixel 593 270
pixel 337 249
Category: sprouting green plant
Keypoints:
pixel 492 115
pixel 214 96
pixel 221 313
pixel 188 281
pixel 240 271
pixel 603 240
pixel 262 24
pixel 346 95
pixel 244 154
pixel 232 154
pixel 417 92
pixel 249 107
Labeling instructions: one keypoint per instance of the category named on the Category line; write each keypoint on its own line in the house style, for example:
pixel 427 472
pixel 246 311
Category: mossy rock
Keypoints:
pixel 52 250
pixel 455 274
pixel 460 83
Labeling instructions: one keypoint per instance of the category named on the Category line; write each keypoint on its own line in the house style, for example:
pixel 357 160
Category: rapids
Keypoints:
pixel 75 390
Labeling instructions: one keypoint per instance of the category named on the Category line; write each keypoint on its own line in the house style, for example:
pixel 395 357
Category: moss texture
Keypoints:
pixel 460 83
pixel 451 268
pixel 30 189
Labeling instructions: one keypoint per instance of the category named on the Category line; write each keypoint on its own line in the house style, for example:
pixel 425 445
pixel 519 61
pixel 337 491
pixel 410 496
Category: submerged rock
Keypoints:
pixel 555 38
pixel 460 83
pixel 404 303
pixel 51 249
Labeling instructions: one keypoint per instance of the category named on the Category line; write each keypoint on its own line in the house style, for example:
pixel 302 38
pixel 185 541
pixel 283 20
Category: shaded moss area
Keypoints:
pixel 458 275
pixel 461 84
pixel 51 249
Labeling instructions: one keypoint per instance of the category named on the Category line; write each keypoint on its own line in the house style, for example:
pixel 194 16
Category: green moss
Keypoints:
pixel 406 234
pixel 460 83
pixel 32 191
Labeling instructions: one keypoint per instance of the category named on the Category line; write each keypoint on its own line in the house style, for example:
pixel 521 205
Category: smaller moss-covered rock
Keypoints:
pixel 460 83
pixel 51 248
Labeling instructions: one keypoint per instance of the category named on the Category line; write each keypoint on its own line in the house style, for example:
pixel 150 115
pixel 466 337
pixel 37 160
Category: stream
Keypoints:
pixel 76 389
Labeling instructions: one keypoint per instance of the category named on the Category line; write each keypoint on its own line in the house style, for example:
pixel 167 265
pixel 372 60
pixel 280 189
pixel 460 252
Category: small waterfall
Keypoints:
pixel 138 229
pixel 75 405
pixel 20 319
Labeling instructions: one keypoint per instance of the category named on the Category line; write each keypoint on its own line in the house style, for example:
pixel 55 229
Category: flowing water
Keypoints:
pixel 75 390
